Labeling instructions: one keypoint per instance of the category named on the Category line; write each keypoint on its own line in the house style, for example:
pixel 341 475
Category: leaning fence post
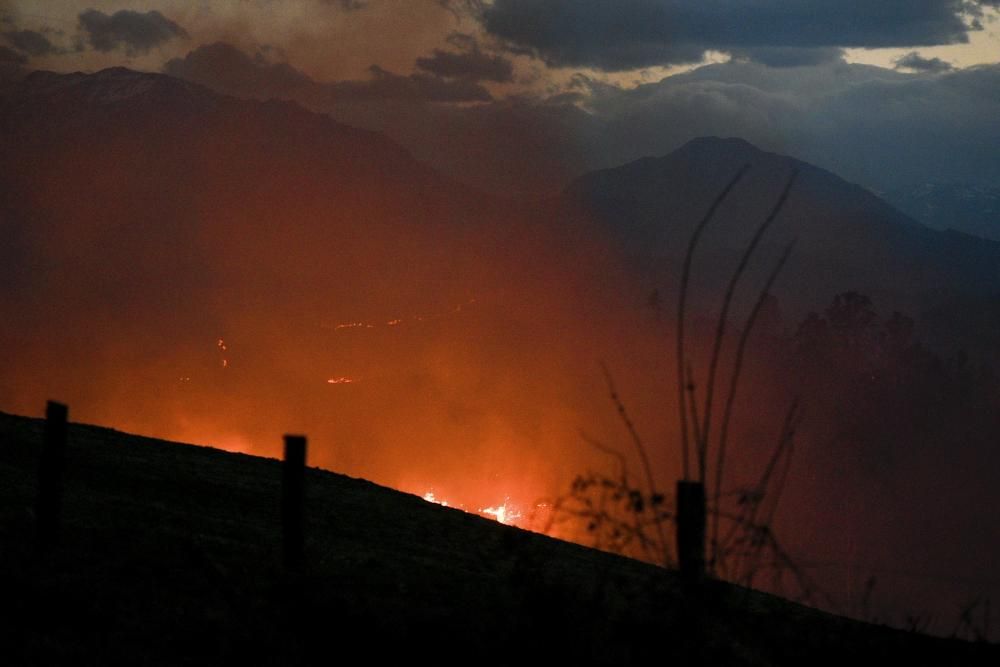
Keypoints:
pixel 293 481
pixel 691 518
pixel 50 473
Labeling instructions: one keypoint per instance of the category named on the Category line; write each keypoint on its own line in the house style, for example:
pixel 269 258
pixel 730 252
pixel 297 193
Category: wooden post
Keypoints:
pixel 691 530
pixel 50 474
pixel 292 492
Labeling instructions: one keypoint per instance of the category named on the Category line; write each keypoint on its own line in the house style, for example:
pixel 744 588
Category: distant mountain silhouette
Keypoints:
pixel 167 127
pixel 967 207
pixel 156 175
pixel 147 152
pixel 848 238
pixel 127 182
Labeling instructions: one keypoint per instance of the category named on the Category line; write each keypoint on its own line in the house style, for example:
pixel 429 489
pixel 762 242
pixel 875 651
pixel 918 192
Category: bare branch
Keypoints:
pixel 639 447
pixel 724 314
pixel 681 308
pixel 734 383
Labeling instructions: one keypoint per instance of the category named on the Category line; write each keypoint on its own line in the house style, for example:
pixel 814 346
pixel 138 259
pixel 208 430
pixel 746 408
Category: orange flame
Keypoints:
pixel 221 344
pixel 506 513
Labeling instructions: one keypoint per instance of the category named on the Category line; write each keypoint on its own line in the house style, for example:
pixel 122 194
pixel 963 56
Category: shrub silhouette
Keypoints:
pixel 632 518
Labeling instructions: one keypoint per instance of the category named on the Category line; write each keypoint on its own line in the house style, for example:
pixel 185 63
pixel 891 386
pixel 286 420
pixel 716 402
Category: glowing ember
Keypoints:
pixel 505 513
pixel 221 345
pixel 395 322
pixel 429 497
pixel 341 380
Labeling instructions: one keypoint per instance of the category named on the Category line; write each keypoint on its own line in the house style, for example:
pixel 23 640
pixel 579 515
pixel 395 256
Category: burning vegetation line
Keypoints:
pixel 506 512
pixel 398 321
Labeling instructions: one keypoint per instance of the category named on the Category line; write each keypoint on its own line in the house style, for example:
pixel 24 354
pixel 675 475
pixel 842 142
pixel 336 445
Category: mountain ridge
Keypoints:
pixel 857 240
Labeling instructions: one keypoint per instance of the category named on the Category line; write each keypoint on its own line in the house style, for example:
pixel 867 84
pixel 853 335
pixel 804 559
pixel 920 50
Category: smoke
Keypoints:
pixel 146 220
pixel 143 244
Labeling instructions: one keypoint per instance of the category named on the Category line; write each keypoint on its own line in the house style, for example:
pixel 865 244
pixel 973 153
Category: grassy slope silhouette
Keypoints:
pixel 170 554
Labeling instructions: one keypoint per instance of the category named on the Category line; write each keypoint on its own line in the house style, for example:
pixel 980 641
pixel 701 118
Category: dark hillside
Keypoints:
pixel 848 238
pixel 169 555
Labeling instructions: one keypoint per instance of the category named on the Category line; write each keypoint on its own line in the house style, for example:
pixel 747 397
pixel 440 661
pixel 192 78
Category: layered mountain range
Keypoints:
pixel 128 151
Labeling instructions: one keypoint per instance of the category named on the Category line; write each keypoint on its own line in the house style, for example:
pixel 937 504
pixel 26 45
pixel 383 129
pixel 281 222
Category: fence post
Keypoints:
pixel 50 474
pixel 691 518
pixel 292 492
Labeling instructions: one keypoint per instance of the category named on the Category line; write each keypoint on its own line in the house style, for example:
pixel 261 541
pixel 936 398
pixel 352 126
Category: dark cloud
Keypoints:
pixel 786 56
pixel 135 32
pixel 853 119
pixel 9 56
pixel 915 62
pixel 472 65
pixel 626 34
pixel 463 8
pixel 878 127
pixel 225 68
pixel 229 70
pixel 385 85
pixel 348 5
pixel 31 42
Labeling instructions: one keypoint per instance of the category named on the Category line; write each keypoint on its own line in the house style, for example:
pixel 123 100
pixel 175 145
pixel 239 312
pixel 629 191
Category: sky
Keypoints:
pixel 522 96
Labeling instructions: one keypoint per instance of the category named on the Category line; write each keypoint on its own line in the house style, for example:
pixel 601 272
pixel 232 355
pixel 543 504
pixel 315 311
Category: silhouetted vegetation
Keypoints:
pixel 630 519
pixel 875 394
pixel 171 554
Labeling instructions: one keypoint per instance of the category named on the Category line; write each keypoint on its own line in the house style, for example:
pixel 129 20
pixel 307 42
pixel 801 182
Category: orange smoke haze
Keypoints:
pixel 223 272
pixel 231 282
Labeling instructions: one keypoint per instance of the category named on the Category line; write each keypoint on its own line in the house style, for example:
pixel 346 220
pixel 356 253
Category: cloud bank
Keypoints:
pixel 628 34
pixel 134 32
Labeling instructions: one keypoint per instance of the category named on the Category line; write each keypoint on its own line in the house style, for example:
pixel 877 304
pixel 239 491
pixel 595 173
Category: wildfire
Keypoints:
pixel 221 345
pixel 429 497
pixel 395 322
pixel 505 513
pixel 341 380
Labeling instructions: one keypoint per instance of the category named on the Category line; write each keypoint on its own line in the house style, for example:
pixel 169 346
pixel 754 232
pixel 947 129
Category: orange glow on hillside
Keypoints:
pixel 420 335
pixel 506 512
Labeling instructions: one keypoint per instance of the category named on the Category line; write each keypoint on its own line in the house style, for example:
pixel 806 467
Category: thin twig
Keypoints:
pixel 693 403
pixel 724 314
pixel 639 447
pixel 682 305
pixel 624 485
pixel 610 451
pixel 760 492
pixel 734 384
